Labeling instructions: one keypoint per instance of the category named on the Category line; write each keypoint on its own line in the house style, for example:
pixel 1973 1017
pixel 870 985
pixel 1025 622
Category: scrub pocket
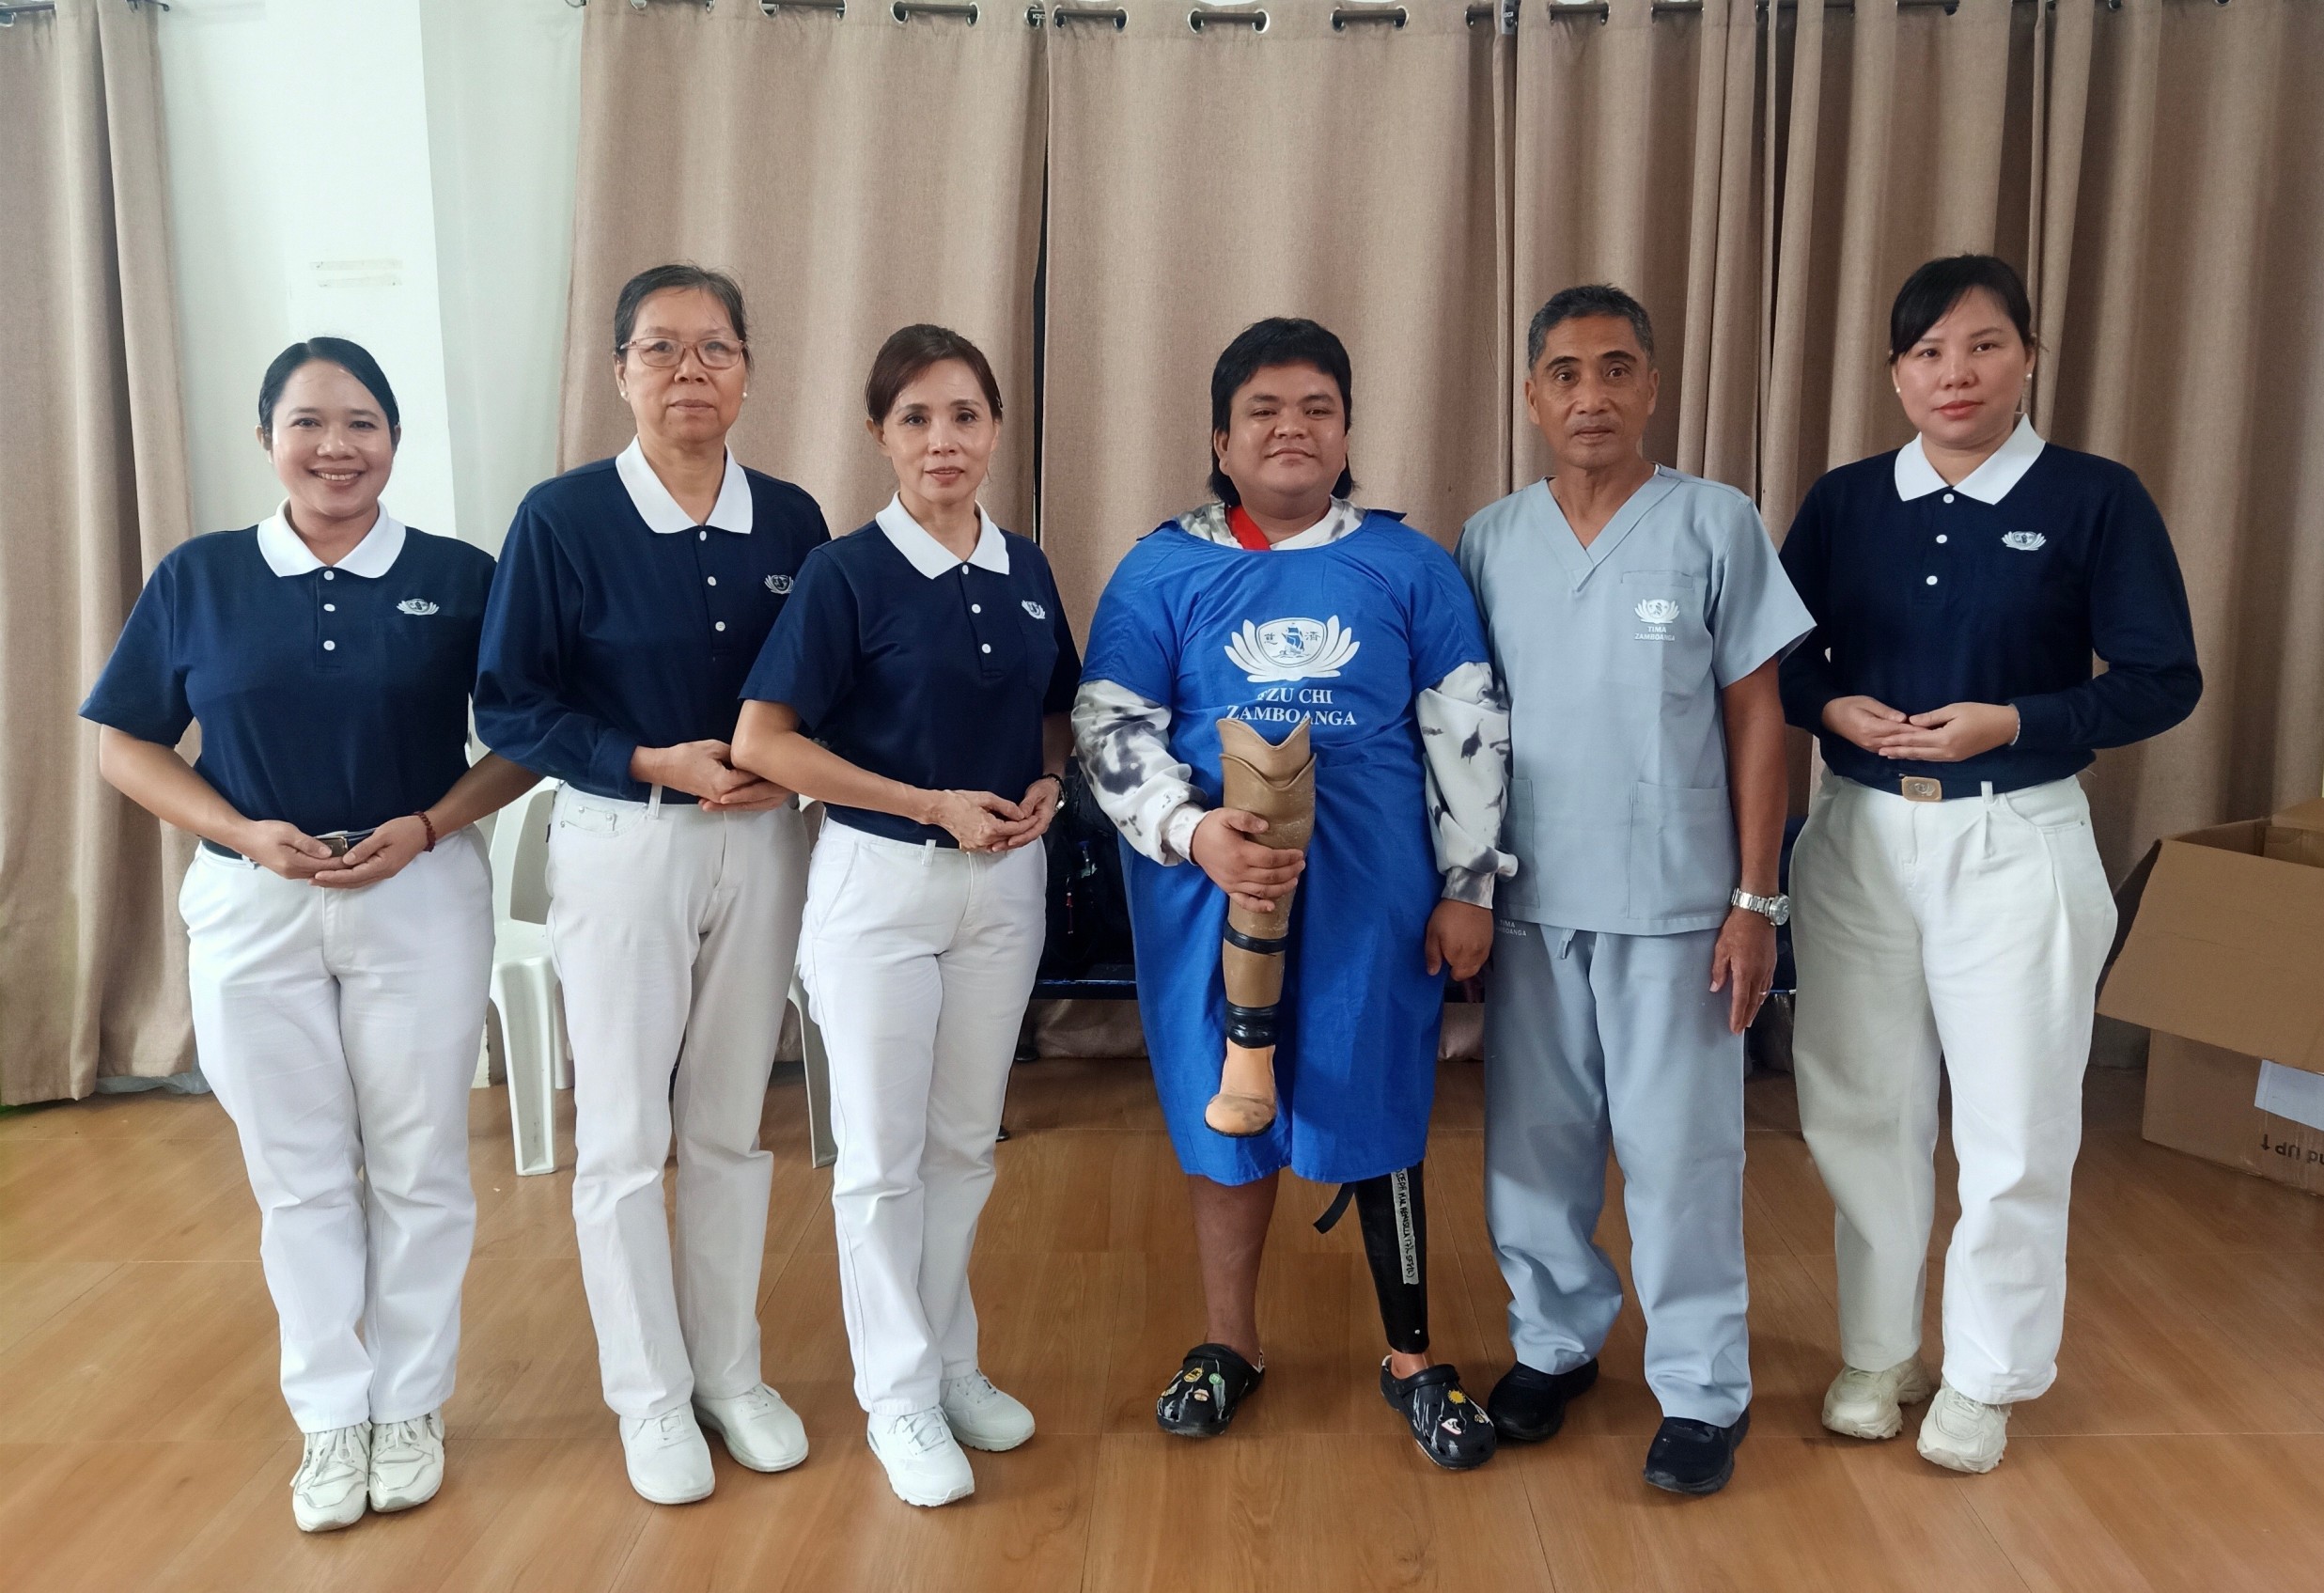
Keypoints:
pixel 1682 861
pixel 1664 637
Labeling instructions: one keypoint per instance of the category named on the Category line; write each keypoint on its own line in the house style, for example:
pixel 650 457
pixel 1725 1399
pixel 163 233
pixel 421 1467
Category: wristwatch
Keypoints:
pixel 1777 909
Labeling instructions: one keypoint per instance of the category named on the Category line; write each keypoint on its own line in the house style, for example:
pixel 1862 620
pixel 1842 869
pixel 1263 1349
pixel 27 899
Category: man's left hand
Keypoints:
pixel 1459 934
pixel 1743 964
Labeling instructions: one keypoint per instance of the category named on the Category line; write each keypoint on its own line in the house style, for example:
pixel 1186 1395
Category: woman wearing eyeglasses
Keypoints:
pixel 631 597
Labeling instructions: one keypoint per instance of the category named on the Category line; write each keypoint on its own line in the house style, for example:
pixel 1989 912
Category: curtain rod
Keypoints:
pixel 9 12
pixel 1393 16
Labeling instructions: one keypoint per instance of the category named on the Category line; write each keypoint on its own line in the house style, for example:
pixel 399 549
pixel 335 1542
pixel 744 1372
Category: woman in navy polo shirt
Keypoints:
pixel 929 657
pixel 340 909
pixel 631 597
pixel 1950 908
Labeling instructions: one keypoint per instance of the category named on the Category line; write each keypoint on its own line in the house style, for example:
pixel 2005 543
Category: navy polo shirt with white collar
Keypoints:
pixel 1998 589
pixel 331 697
pixel 618 622
pixel 927 668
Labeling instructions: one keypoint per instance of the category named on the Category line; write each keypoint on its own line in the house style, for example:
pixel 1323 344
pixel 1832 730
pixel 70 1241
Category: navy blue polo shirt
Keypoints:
pixel 926 668
pixel 1997 589
pixel 616 622
pixel 331 697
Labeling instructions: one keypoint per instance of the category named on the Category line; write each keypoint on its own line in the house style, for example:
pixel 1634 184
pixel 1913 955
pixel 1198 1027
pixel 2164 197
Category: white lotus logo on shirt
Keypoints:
pixel 1291 649
pixel 2024 541
pixel 416 605
pixel 1035 609
pixel 779 585
pixel 1657 611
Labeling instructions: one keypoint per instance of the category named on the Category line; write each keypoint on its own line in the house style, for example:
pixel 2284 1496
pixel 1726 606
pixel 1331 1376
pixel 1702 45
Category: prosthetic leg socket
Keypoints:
pixel 1277 783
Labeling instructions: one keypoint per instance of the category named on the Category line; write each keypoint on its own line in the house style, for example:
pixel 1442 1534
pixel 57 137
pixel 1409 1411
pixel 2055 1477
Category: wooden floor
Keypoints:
pixel 143 1445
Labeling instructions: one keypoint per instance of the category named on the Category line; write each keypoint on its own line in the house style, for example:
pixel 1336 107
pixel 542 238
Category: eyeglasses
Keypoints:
pixel 664 353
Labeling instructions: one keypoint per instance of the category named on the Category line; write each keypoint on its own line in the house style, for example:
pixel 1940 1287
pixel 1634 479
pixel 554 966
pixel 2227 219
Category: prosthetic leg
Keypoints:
pixel 1451 1428
pixel 1277 783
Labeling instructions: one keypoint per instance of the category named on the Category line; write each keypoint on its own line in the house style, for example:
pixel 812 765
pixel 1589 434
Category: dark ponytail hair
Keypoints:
pixel 1930 292
pixel 354 358
pixel 1279 341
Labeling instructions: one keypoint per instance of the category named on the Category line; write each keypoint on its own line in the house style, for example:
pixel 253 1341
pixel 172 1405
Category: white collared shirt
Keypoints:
pixel 1989 483
pixel 930 556
pixel 660 511
pixel 287 553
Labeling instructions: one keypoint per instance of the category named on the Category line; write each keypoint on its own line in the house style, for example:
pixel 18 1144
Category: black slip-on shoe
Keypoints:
pixel 1451 1428
pixel 1202 1398
pixel 1528 1406
pixel 1691 1457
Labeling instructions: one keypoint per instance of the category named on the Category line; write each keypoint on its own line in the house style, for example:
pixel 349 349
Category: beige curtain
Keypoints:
pixel 855 175
pixel 1202 179
pixel 1638 160
pixel 92 452
pixel 2183 312
pixel 1899 134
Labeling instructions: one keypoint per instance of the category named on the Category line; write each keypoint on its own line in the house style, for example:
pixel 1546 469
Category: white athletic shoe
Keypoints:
pixel 333 1479
pixel 1861 1404
pixel 1962 1434
pixel 924 1462
pixel 983 1417
pixel 407 1461
pixel 761 1432
pixel 669 1463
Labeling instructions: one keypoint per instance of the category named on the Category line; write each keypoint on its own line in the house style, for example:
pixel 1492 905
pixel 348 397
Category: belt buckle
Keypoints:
pixel 1919 789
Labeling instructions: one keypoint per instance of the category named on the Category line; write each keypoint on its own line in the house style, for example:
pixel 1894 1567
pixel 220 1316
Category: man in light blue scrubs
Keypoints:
pixel 1635 616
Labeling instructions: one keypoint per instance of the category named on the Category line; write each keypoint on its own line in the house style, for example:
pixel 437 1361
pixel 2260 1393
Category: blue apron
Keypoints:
pixel 1343 636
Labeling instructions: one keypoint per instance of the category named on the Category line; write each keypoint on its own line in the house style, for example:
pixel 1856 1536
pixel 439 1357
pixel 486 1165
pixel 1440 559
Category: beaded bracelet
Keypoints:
pixel 430 825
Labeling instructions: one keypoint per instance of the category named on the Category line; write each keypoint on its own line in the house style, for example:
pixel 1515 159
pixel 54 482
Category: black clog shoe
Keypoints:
pixel 1451 1428
pixel 1201 1400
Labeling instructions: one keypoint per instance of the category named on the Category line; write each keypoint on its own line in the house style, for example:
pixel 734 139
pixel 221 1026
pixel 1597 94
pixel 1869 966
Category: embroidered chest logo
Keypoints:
pixel 1034 609
pixel 779 585
pixel 1657 611
pixel 1292 649
pixel 415 606
pixel 2024 541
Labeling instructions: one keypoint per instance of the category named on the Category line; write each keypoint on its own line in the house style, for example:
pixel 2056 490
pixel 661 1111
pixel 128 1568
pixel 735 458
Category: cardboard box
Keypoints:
pixel 2199 1099
pixel 2225 942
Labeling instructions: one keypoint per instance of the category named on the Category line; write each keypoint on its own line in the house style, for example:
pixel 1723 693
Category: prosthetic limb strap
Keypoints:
pixel 1277 783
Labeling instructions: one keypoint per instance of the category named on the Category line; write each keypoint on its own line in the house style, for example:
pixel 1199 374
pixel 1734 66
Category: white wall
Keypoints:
pixel 399 172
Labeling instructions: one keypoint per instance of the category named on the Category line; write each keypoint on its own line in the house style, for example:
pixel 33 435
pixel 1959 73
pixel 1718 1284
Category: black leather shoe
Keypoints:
pixel 1691 1457
pixel 1446 1423
pixel 1528 1406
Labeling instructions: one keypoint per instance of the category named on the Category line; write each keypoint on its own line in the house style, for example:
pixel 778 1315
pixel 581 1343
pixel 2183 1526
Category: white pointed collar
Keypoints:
pixel 287 553
pixel 1989 483
pixel 930 556
pixel 660 511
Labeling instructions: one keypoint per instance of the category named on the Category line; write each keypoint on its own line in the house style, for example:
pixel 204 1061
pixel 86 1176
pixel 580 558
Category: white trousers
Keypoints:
pixel 675 931
pixel 339 1029
pixel 918 961
pixel 1967 934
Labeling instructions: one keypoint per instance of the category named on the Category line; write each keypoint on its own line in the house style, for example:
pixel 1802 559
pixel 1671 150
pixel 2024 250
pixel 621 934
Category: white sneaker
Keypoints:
pixel 761 1432
pixel 1861 1404
pixel 983 1417
pixel 669 1463
pixel 407 1461
pixel 333 1479
pixel 1962 1434
pixel 924 1462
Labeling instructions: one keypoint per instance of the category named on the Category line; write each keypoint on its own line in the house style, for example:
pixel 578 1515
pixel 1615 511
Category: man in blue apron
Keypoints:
pixel 1329 643
pixel 1636 617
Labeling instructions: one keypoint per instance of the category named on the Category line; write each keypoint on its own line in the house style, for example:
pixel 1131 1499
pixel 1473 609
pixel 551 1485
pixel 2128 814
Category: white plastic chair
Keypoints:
pixel 527 1009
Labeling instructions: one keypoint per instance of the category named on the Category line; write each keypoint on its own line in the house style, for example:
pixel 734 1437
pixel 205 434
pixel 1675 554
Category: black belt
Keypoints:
pixel 350 837
pixel 1932 787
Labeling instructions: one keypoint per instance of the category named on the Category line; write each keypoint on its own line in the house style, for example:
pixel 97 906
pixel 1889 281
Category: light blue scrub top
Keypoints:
pixel 1613 657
